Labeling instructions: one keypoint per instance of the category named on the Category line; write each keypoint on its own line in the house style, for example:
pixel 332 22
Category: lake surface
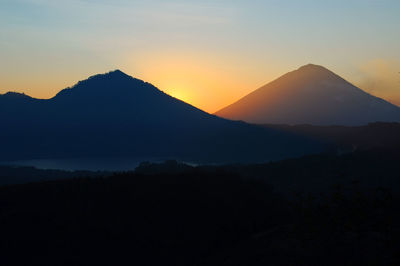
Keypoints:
pixel 89 164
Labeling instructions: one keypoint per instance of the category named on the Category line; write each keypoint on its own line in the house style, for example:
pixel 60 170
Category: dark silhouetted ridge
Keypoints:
pixel 15 95
pixel 115 115
pixel 112 75
pixel 112 85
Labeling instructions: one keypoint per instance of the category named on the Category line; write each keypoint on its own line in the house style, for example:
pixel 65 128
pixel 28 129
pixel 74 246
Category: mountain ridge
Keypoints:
pixel 115 115
pixel 113 74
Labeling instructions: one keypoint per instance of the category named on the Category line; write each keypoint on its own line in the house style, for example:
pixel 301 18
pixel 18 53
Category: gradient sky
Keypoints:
pixel 208 53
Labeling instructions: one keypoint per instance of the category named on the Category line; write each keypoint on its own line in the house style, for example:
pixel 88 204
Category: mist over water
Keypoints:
pixel 88 164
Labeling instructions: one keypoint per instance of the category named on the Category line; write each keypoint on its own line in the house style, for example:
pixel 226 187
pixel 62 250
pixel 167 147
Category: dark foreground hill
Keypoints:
pixel 115 115
pixel 20 174
pixel 211 216
pixel 311 95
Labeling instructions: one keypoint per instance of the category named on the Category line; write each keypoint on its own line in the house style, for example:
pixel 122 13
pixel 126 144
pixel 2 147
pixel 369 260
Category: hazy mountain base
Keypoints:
pixel 181 215
pixel 348 139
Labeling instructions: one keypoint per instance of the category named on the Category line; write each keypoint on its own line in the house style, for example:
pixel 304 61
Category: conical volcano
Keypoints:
pixel 311 95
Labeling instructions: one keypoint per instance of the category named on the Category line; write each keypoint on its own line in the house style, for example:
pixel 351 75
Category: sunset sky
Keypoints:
pixel 207 53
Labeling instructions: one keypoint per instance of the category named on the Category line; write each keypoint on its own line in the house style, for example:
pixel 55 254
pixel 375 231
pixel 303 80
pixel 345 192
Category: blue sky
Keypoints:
pixel 209 53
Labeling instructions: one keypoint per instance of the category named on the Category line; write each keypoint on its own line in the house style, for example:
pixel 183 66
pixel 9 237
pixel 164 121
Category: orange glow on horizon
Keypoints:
pixel 206 83
pixel 202 84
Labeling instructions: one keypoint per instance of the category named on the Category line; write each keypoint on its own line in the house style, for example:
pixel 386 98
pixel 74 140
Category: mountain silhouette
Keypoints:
pixel 115 115
pixel 311 95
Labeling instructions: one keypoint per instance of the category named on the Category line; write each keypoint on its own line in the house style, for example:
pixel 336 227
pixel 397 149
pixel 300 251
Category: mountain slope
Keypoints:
pixel 311 95
pixel 115 115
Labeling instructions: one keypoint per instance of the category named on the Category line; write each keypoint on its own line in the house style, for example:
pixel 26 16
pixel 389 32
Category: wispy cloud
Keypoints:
pixel 381 77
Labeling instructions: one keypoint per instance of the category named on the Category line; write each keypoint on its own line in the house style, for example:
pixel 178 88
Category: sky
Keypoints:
pixel 207 53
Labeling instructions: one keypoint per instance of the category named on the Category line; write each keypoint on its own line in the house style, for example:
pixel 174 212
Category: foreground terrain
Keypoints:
pixel 316 210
